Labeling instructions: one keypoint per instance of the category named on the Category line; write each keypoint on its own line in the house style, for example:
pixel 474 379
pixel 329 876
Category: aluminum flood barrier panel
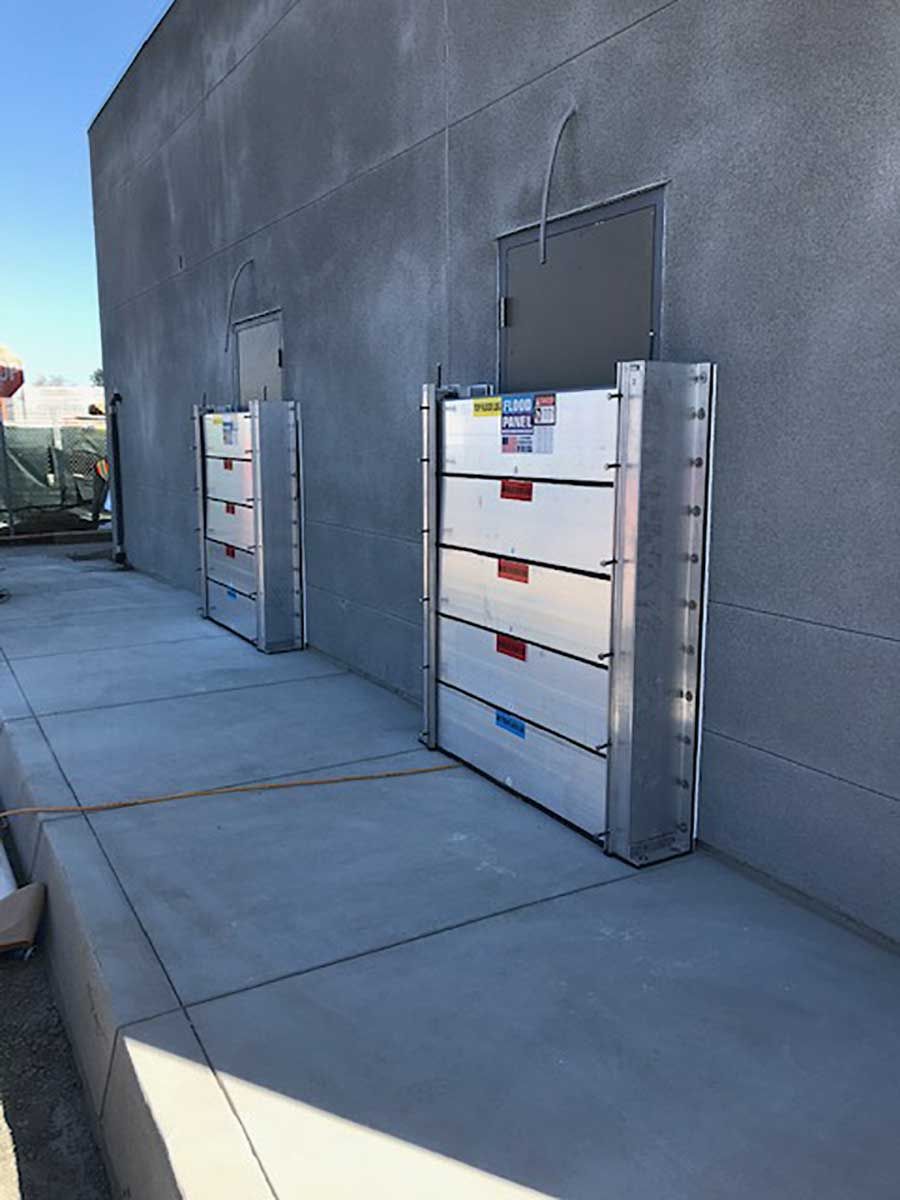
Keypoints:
pixel 565 549
pixel 250 521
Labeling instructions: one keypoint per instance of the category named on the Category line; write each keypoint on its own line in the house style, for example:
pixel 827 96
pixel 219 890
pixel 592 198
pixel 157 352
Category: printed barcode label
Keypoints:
pixel 516 489
pixel 507 568
pixel 513 647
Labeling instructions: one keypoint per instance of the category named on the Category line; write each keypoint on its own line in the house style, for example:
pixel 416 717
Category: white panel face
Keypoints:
pixel 232 567
pixel 232 524
pixel 556 608
pixel 568 526
pixel 542 435
pixel 556 774
pixel 231 608
pixel 228 435
pixel 229 479
pixel 563 694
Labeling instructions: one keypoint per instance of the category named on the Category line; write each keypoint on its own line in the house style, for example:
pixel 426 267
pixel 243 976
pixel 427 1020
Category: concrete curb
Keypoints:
pixel 166 1129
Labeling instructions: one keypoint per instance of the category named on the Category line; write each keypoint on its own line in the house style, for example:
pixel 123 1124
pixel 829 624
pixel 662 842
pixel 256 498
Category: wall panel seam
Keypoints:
pixel 124 179
pixel 765 612
pixel 565 62
pixel 442 132
pixel 266 225
pixel 794 762
pixel 394 537
pixel 381 612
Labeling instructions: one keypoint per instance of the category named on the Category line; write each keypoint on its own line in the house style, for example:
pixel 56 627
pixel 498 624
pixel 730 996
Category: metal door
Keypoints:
pixel 565 323
pixel 259 359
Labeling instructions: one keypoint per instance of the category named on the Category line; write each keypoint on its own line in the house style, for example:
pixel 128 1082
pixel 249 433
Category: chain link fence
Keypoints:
pixel 53 478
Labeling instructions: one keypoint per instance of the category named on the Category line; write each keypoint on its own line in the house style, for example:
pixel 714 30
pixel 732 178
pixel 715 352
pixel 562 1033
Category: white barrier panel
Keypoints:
pixel 558 524
pixel 565 695
pixel 541 435
pixel 558 775
pixel 555 608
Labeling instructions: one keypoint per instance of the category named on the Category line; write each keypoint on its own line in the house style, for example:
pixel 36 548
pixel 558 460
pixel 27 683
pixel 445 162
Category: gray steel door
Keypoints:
pixel 567 322
pixel 259 360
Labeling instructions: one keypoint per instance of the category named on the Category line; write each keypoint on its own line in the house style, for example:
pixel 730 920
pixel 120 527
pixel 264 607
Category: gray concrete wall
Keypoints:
pixel 367 153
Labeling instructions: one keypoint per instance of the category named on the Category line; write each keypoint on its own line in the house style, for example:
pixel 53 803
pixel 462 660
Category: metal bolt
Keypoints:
pixel 701 414
pixel 695 558
pixel 689 696
pixel 692 604
pixel 696 510
pixel 698 462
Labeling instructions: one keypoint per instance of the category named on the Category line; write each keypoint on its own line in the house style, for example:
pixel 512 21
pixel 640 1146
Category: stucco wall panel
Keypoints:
pixel 309 110
pixel 496 47
pixel 825 698
pixel 165 83
pixel 830 839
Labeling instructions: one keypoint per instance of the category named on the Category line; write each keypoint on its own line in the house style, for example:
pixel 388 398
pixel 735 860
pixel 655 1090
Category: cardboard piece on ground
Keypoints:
pixel 20 915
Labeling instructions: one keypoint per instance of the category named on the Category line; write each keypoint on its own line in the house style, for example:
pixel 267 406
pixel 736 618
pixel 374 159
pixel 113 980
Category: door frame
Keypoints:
pixel 239 326
pixel 653 196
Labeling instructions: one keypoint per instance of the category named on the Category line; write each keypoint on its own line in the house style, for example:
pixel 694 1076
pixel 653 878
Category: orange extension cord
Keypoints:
pixel 225 791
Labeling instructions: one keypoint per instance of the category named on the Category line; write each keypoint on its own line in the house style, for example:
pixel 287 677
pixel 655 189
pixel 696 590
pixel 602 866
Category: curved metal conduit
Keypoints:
pixel 548 179
pixel 234 282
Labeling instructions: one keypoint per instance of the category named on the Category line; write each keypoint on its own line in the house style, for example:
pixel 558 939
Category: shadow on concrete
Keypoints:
pixel 680 1033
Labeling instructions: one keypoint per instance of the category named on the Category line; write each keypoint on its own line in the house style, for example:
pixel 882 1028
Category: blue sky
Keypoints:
pixel 60 59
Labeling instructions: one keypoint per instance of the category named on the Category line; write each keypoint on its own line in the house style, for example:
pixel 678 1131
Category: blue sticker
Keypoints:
pixel 517 423
pixel 231 593
pixel 509 723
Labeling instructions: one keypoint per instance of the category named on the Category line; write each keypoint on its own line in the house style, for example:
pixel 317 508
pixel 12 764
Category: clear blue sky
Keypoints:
pixel 60 60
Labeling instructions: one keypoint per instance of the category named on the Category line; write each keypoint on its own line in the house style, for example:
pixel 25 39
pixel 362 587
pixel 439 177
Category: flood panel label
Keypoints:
pixel 512 647
pixel 516 489
pixel 511 724
pixel 517 424
pixel 508 568
pixel 487 406
pixel 526 423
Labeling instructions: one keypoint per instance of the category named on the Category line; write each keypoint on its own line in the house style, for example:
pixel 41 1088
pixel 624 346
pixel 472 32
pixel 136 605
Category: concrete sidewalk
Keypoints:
pixel 411 987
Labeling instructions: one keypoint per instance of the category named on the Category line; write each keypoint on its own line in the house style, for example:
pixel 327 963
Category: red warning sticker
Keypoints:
pixel 229 551
pixel 516 489
pixel 507 568
pixel 545 409
pixel 229 508
pixel 228 464
pixel 512 647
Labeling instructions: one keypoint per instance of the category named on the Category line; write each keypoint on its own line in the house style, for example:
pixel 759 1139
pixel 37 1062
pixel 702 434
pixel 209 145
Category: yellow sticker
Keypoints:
pixel 486 406
pixel 217 420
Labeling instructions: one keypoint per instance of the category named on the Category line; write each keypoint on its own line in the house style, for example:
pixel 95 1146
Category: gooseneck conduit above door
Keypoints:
pixel 548 180
pixel 231 293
